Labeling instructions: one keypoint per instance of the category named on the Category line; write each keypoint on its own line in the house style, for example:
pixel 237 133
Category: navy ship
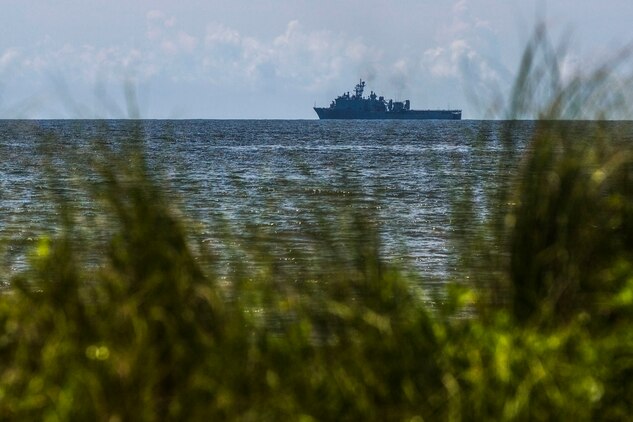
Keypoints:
pixel 374 107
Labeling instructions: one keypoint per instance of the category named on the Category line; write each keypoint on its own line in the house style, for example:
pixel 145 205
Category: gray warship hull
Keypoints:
pixel 330 113
pixel 355 106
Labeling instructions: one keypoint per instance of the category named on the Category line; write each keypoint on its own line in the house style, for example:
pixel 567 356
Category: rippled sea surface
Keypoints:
pixel 409 172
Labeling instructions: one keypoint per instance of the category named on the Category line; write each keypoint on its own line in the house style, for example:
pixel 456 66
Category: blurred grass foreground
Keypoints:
pixel 126 318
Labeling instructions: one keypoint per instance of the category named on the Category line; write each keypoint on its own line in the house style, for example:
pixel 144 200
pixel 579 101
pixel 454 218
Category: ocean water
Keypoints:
pixel 410 174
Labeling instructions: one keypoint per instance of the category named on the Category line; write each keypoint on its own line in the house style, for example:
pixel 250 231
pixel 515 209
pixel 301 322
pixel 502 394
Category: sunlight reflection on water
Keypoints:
pixel 408 172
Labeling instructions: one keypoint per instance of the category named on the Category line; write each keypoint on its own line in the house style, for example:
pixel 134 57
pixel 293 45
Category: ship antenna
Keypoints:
pixel 359 89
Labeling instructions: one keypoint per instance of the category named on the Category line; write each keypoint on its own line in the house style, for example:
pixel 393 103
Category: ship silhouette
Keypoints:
pixel 356 106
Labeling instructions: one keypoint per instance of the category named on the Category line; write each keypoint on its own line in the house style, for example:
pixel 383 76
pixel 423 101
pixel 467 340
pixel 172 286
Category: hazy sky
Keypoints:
pixel 276 58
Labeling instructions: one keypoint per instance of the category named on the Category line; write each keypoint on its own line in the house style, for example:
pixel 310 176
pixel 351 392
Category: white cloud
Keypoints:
pixel 155 14
pixel 88 64
pixel 8 57
pixel 219 33
pixel 460 7
pixel 302 59
pixel 162 30
pixel 178 43
pixel 356 50
pixel 461 61
pixel 400 74
pixel 154 20
pixel 187 42
pixel 467 44
pixel 437 61
pixel 291 32
pixel 483 24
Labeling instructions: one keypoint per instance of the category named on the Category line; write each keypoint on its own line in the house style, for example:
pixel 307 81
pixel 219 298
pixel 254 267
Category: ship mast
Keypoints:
pixel 359 89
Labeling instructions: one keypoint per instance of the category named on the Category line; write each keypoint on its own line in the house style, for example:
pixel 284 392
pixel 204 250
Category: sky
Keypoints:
pixel 276 59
